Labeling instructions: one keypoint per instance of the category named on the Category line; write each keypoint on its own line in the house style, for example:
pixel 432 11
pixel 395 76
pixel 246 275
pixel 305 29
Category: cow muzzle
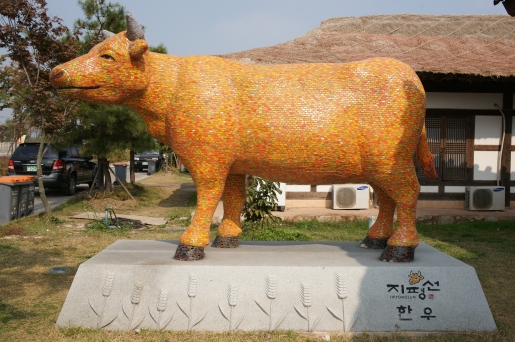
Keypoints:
pixel 59 78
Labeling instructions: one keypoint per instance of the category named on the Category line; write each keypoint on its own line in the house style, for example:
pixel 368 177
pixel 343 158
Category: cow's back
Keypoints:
pixel 325 121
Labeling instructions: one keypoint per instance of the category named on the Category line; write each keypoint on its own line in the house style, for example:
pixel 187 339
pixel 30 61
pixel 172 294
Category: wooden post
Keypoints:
pixel 507 105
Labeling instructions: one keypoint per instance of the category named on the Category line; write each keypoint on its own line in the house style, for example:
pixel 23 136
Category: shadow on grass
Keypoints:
pixel 24 269
pixel 470 240
pixel 9 313
pixel 310 230
pixel 184 196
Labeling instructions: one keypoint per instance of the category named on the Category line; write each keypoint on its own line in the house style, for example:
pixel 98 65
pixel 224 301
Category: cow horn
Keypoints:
pixel 104 34
pixel 134 31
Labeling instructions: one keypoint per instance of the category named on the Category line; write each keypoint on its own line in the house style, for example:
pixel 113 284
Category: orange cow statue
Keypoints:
pixel 294 123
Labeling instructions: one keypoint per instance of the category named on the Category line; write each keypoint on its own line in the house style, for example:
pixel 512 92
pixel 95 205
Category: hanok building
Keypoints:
pixel 467 66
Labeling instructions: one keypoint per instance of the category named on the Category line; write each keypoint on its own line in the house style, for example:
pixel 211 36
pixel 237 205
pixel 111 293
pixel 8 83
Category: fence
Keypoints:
pixel 7 148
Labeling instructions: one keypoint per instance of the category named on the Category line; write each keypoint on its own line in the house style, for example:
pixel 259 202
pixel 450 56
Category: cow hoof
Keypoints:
pixel 398 254
pixel 368 242
pixel 189 253
pixel 226 242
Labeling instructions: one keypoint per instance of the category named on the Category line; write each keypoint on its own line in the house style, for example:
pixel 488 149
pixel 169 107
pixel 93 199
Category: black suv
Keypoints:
pixel 61 169
pixel 141 160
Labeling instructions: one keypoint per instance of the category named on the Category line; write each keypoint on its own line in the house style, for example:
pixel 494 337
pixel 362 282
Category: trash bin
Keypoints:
pixel 30 201
pixel 17 192
pixel 120 169
pixel 151 167
pixel 23 199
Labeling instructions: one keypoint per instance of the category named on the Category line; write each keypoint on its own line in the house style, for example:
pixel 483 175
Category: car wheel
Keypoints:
pixel 71 186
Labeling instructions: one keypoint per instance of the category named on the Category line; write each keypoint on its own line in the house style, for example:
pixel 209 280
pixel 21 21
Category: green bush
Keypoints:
pixel 260 201
pixel 3 166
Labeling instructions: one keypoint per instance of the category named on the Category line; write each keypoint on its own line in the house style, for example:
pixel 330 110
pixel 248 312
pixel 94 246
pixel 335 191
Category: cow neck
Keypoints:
pixel 155 100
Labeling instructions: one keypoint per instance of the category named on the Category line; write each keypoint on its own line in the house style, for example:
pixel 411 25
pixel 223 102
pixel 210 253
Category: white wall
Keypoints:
pixel 463 100
pixel 488 130
pixel 454 189
pixel 298 188
pixel 324 188
pixel 485 165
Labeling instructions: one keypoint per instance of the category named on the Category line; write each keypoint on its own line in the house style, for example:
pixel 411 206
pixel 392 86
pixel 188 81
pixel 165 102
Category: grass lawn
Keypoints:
pixel 31 298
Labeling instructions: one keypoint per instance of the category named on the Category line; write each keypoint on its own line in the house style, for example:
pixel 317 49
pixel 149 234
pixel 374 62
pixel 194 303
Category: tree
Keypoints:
pixel 13 91
pixel 104 129
pixel 36 43
pixel 99 16
pixel 4 132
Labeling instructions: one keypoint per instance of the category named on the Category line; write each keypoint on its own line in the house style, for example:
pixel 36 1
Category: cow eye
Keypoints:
pixel 108 57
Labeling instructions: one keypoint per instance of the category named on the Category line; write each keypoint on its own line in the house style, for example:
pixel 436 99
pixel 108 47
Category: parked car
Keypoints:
pixel 61 169
pixel 141 159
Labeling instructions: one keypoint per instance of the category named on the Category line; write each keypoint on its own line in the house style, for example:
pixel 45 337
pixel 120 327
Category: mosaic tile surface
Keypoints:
pixel 295 123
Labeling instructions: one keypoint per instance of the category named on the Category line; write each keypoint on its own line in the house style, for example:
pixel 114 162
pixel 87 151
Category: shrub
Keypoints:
pixel 260 200
pixel 4 161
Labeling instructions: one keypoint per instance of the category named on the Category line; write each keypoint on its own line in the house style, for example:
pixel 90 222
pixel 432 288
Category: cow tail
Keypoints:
pixel 424 156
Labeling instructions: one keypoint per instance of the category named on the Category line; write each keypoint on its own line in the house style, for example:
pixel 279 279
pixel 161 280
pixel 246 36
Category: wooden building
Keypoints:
pixel 467 66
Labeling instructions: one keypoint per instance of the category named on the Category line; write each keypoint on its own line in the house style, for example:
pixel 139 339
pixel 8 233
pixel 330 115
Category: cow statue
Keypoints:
pixel 295 123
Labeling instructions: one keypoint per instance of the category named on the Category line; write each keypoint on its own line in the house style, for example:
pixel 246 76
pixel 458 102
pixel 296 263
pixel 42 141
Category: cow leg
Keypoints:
pixel 209 186
pixel 234 201
pixel 382 229
pixel 404 190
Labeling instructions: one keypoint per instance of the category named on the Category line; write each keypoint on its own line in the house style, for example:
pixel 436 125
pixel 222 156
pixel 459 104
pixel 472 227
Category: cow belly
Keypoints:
pixel 301 168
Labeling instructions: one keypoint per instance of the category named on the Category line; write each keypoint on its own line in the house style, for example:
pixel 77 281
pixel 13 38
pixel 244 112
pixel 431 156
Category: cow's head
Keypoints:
pixel 110 72
pixel 415 278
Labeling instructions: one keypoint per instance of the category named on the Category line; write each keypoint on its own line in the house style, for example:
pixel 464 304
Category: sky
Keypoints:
pixel 210 27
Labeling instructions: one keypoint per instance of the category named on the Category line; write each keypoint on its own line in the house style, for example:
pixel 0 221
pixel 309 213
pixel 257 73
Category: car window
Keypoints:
pixel 31 152
pixel 70 152
pixel 150 152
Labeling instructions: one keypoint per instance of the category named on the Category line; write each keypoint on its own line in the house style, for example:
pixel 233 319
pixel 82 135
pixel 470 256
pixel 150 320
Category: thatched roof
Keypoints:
pixel 456 46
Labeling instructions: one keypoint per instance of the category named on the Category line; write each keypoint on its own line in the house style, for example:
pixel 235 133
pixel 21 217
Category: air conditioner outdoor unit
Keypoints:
pixel 281 198
pixel 484 198
pixel 351 196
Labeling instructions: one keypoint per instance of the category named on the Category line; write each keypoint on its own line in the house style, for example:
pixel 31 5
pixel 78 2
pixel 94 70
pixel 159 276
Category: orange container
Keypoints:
pixel 16 179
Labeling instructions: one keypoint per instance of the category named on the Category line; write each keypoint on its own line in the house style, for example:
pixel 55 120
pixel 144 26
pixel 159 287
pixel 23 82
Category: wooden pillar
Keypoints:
pixel 507 105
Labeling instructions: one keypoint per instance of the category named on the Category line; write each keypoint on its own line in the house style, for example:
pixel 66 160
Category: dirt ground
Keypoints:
pixel 171 195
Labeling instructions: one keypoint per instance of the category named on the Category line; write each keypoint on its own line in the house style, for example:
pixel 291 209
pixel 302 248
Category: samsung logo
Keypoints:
pixel 498 189
pixel 365 187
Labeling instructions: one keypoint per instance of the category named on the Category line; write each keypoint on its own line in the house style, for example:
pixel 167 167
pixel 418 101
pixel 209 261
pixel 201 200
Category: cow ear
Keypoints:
pixel 137 48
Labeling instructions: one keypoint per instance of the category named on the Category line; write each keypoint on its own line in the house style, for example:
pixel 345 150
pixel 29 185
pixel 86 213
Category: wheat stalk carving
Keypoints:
pixel 108 285
pixel 341 293
pixel 192 286
pixel 271 287
pixel 192 293
pixel 232 300
pixel 136 293
pixel 106 292
pixel 271 293
pixel 162 301
pixel 135 300
pixel 161 306
pixel 305 296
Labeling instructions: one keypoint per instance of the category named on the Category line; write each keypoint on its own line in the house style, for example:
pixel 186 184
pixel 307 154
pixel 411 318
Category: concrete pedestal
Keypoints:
pixel 323 286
